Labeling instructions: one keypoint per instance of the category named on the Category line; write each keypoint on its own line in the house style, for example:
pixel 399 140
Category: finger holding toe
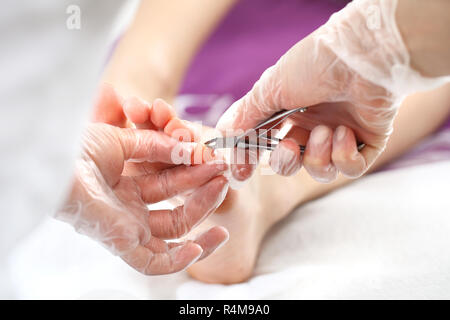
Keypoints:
pixel 346 157
pixel 317 157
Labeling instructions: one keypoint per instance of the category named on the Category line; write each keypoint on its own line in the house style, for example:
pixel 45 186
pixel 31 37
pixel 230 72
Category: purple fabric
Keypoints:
pixel 249 40
pixel 446 125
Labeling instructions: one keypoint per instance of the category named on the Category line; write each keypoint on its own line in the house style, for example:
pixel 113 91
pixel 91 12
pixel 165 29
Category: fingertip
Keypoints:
pixel 206 198
pixel 196 250
pixel 317 156
pixel 345 155
pixel 223 232
pixel 285 160
pixel 218 187
pixel 242 172
pixel 186 255
pixel 212 240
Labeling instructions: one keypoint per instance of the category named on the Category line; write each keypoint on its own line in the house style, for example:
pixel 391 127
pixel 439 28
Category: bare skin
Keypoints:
pixel 154 53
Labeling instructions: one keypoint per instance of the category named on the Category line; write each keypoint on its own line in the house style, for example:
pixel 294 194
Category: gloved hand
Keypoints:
pixel 112 208
pixel 352 73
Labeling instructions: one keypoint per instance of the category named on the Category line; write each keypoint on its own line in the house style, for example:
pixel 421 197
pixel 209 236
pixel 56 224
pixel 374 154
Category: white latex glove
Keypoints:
pixel 352 73
pixel 112 208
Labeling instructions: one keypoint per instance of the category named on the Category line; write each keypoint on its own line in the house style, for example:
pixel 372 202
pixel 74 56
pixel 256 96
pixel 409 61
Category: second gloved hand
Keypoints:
pixel 112 208
pixel 352 74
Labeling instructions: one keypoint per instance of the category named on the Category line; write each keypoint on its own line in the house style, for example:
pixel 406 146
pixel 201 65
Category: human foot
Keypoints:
pixel 248 213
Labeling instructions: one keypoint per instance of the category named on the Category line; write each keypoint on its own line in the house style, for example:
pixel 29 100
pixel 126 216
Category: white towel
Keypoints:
pixel 383 236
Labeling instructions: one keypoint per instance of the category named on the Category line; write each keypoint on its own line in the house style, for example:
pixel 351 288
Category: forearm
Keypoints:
pixel 155 51
pixel 425 29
